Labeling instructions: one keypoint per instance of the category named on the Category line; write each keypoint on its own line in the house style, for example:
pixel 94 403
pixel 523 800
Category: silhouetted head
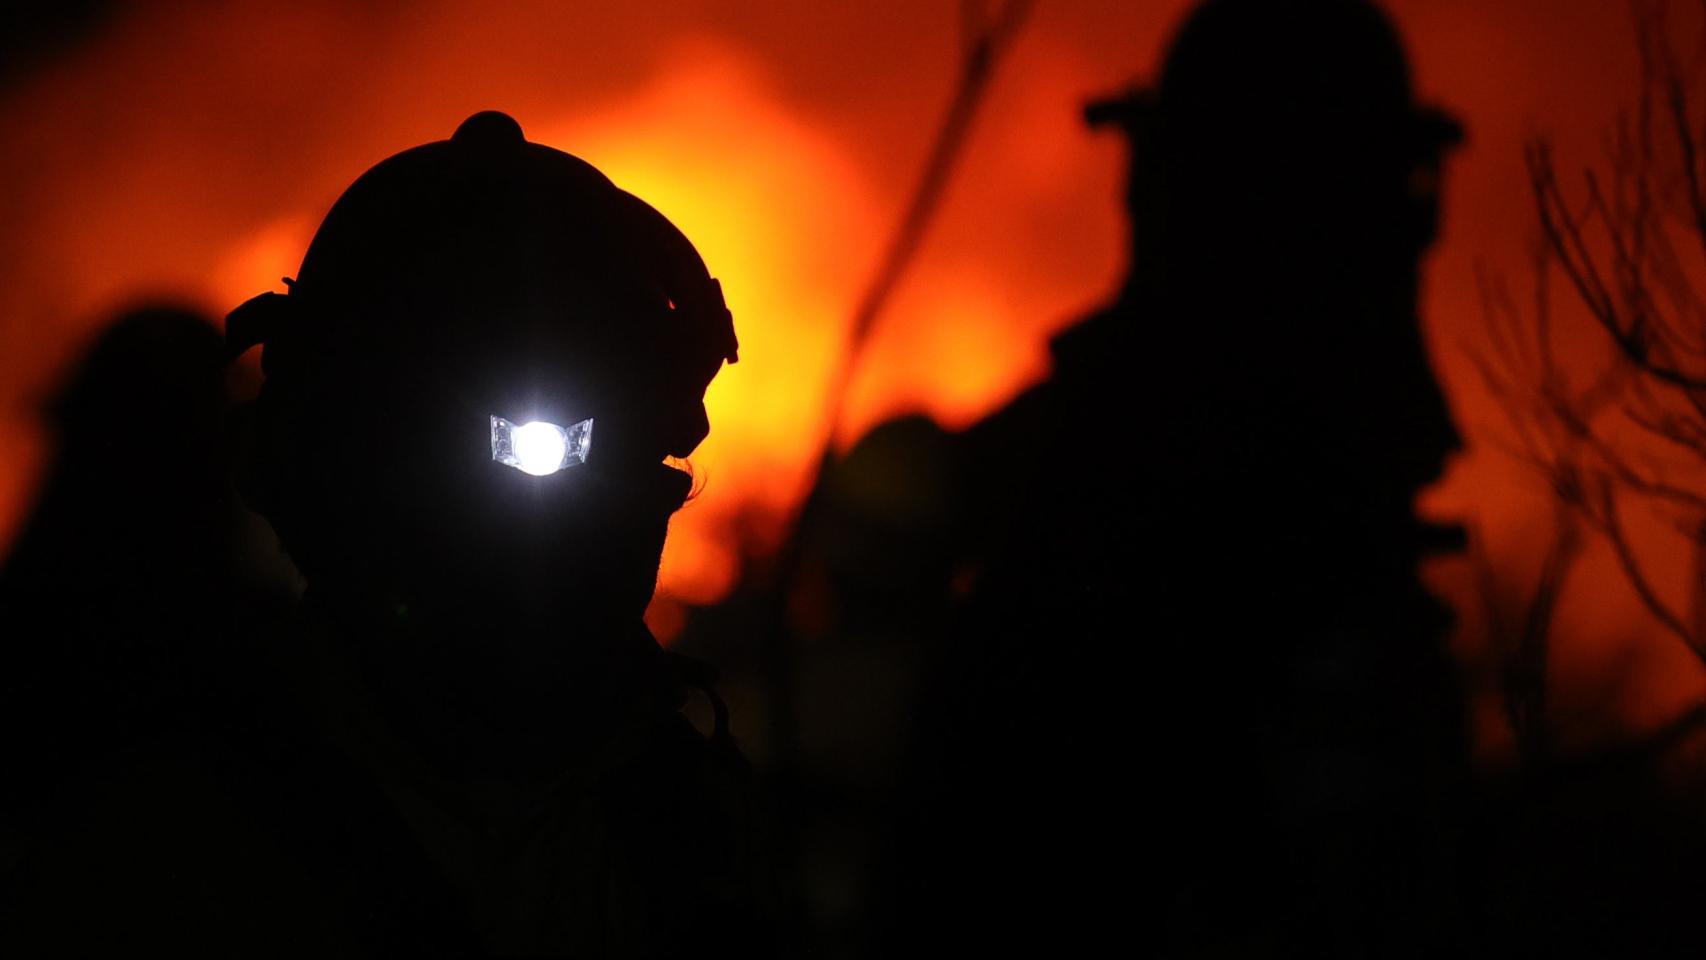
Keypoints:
pixel 456 286
pixel 1285 122
pixel 140 432
pixel 119 580
pixel 1284 187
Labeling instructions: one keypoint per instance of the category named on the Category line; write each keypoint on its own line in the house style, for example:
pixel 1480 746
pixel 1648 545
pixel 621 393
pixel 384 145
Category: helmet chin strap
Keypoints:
pixel 606 576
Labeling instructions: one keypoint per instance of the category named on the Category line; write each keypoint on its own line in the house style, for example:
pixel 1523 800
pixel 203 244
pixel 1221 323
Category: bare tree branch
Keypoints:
pixel 1611 525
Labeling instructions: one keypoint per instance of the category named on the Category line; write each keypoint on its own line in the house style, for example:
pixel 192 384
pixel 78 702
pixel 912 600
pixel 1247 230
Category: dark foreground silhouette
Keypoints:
pixel 463 741
pixel 119 588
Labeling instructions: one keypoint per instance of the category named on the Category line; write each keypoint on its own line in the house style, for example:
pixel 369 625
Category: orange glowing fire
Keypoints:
pixel 190 152
pixel 784 215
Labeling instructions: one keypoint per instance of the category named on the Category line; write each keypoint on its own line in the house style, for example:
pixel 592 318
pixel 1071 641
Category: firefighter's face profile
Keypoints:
pixel 504 466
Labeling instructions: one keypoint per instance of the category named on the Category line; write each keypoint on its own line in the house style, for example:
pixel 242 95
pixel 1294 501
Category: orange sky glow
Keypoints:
pixel 187 151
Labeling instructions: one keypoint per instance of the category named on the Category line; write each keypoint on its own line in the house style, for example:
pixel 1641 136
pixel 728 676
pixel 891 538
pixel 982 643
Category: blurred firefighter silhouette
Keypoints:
pixel 1195 649
pixel 117 586
pixel 463 741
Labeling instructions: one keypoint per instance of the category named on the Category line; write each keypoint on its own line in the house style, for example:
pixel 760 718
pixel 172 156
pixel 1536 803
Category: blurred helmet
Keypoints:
pixel 1291 76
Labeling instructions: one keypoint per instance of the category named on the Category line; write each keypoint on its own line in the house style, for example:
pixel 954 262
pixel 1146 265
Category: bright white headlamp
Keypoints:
pixel 540 448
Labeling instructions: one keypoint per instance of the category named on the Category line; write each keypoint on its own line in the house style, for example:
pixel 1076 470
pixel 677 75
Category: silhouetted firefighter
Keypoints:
pixel 1196 698
pixel 464 741
pixel 117 589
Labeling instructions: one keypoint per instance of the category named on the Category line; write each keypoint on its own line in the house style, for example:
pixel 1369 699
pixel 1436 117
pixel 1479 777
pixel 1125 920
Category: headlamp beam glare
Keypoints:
pixel 540 448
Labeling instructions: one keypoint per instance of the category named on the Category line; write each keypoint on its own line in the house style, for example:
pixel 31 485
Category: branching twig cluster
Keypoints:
pixel 1631 243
